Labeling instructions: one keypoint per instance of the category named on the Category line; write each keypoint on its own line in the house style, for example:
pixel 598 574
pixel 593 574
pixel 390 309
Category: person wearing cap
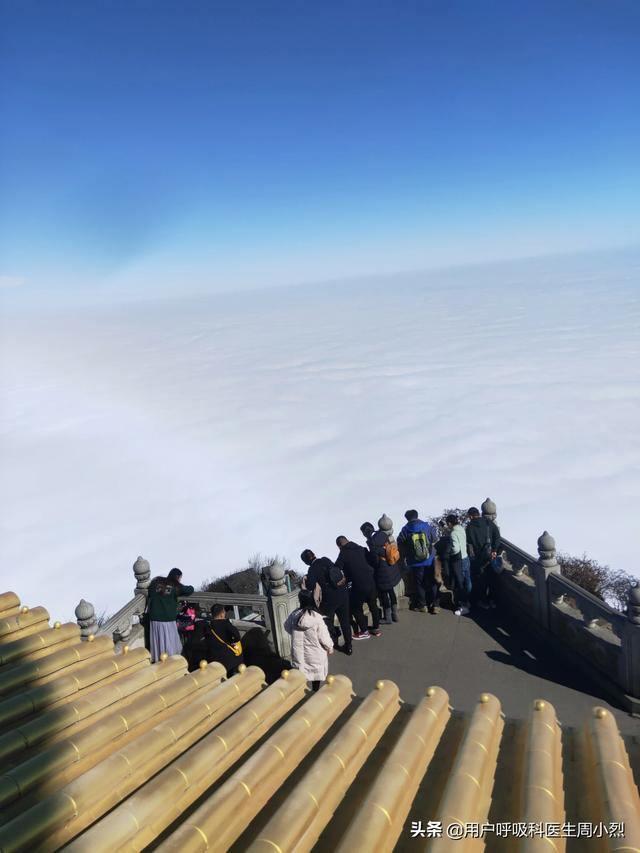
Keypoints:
pixel 416 541
pixel 387 575
pixel 483 542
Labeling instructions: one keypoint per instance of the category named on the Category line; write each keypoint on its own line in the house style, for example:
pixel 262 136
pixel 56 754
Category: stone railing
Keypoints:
pixel 600 640
pixel 271 610
pixel 603 641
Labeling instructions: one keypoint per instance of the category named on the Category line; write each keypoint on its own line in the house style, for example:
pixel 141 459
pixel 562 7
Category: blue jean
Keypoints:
pixel 460 570
pixel 466 575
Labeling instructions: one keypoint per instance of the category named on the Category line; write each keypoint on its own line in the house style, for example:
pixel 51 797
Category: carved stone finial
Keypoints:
pixel 86 619
pixel 489 509
pixel 385 524
pixel 142 571
pixel 275 573
pixel 633 608
pixel 547 552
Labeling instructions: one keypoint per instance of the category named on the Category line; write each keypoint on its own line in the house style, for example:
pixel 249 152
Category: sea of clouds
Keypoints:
pixel 197 432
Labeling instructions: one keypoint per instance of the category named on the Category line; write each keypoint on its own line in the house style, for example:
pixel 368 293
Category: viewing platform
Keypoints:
pixel 518 719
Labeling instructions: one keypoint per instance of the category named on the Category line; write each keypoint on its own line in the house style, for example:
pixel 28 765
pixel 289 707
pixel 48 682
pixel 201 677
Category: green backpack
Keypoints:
pixel 420 545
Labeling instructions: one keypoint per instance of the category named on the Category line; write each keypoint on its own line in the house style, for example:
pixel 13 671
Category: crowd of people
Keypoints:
pixel 464 560
pixel 176 628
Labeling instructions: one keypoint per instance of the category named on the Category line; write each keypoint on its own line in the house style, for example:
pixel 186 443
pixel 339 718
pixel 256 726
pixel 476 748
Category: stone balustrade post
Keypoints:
pixel 86 619
pixel 281 604
pixel 546 565
pixel 630 660
pixel 489 510
pixel 142 571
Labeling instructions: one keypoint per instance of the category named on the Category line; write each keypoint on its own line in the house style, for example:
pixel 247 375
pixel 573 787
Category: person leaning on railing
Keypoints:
pixel 162 612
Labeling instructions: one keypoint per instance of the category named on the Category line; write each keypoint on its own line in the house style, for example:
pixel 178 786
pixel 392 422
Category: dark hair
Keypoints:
pixel 174 576
pixel 473 512
pixel 217 609
pixel 452 519
pixel 367 528
pixel 307 556
pixel 342 540
pixel 411 514
pixel 307 601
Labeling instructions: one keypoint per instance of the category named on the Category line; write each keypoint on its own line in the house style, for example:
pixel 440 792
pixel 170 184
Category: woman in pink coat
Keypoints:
pixel 311 643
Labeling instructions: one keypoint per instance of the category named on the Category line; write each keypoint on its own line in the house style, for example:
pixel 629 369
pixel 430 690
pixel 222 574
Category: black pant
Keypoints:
pixel 387 598
pixel 483 579
pixel 482 582
pixel 358 600
pixel 341 610
pixel 419 595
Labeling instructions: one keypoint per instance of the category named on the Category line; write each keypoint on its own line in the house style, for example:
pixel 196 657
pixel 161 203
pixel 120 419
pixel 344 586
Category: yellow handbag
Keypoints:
pixel 236 648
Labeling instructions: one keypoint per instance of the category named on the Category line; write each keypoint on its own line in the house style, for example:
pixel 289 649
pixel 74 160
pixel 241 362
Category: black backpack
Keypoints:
pixel 486 549
pixel 336 579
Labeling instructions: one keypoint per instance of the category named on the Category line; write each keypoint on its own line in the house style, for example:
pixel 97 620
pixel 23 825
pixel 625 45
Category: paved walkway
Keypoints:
pixel 468 656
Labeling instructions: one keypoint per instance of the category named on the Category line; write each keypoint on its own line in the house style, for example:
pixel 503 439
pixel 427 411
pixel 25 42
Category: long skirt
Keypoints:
pixel 164 637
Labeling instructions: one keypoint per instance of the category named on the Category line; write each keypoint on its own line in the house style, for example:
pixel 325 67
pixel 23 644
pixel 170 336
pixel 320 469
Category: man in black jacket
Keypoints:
pixel 221 638
pixel 335 598
pixel 483 542
pixel 353 560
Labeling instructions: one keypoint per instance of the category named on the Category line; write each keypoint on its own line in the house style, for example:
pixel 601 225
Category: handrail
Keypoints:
pixel 132 608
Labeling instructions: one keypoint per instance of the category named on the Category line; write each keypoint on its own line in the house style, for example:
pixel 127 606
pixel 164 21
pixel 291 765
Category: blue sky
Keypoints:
pixel 175 147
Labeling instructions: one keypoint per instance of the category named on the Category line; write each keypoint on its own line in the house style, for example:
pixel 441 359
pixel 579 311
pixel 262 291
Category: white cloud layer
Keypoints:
pixel 196 434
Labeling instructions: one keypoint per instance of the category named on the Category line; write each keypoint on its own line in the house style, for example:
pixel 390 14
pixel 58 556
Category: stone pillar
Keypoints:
pixel 631 651
pixel 633 605
pixel 275 576
pixel 142 571
pixel 489 509
pixel 281 604
pixel 546 565
pixel 86 619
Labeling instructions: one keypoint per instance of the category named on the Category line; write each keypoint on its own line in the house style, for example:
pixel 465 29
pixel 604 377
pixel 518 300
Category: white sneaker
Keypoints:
pixel 462 611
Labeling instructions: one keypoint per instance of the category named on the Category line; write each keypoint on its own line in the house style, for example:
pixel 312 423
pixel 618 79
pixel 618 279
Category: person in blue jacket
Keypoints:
pixel 416 542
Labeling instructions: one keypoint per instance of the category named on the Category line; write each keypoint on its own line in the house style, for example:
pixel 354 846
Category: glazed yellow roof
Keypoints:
pixel 106 752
